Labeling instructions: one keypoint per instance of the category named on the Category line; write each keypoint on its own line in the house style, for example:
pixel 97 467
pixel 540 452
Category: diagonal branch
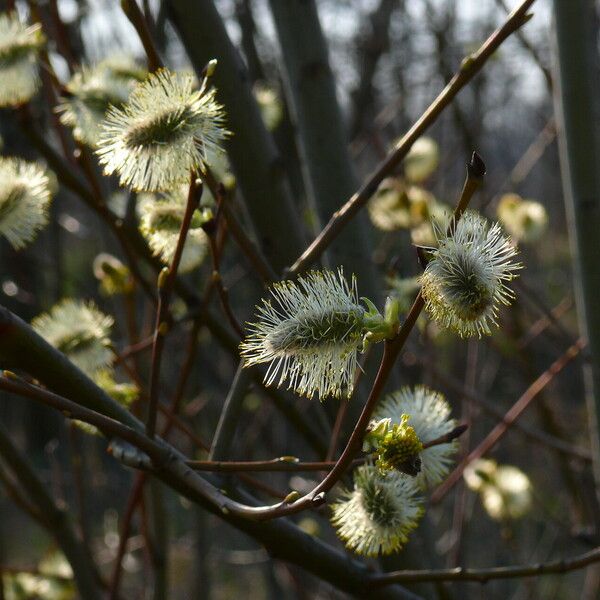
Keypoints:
pixel 282 538
pixel 511 416
pixel 469 68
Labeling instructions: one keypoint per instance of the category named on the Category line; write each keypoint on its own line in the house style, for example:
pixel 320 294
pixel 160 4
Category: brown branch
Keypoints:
pixel 160 453
pixel 291 463
pixel 166 283
pixel 132 502
pixel 541 437
pixel 539 326
pixel 78 469
pixel 17 496
pixel 211 229
pixel 485 575
pixel 172 420
pixel 282 539
pixel 535 55
pixel 532 155
pixel 343 409
pixel 511 416
pixel 137 19
pixel 250 251
pixel 283 464
pixel 137 488
pixel 54 518
pixel 391 350
pixel 469 68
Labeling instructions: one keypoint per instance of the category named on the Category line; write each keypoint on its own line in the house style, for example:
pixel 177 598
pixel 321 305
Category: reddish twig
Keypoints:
pixel 132 502
pixel 136 18
pixel 485 575
pixel 166 282
pixel 511 416
pixel 259 264
pixel 291 463
pixel 469 68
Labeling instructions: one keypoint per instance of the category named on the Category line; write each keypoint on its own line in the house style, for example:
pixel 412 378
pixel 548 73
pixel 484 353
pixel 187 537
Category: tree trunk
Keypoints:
pixel 578 117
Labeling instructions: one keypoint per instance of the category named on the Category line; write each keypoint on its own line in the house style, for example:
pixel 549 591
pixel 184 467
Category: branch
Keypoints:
pixel 53 518
pixel 211 229
pixel 533 52
pixel 282 539
pixel 391 350
pixel 161 454
pixel 511 416
pixel 485 575
pixel 371 45
pixel 291 463
pixel 261 266
pixel 137 19
pixel 537 435
pixel 22 348
pixel 469 68
pixel 166 284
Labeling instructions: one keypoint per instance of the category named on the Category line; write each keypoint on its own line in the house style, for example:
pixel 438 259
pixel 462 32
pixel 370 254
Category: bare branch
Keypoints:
pixel 469 68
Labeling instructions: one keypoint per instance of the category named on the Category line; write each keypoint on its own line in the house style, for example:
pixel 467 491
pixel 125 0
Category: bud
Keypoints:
pixel 311 337
pixel 422 160
pixel 525 220
pixel 164 132
pixel 505 491
pixel 19 48
pixel 211 67
pixel 397 205
pixel 92 90
pixel 160 222
pixel 80 331
pixel 270 105
pixel 25 196
pixel 114 277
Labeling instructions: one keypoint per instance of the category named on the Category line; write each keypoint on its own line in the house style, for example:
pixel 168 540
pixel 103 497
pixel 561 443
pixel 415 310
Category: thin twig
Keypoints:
pixel 492 408
pixel 391 350
pixel 511 416
pixel 137 487
pixel 132 502
pixel 532 155
pixel 469 68
pixel 539 326
pixel 291 463
pixel 211 229
pixel 19 498
pixel 258 262
pixel 54 518
pixel 342 410
pixel 78 468
pixel 166 282
pixel 533 52
pixel 484 575
pixel 137 19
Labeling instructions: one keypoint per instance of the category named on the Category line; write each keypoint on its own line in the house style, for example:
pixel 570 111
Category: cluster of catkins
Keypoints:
pixel 155 131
